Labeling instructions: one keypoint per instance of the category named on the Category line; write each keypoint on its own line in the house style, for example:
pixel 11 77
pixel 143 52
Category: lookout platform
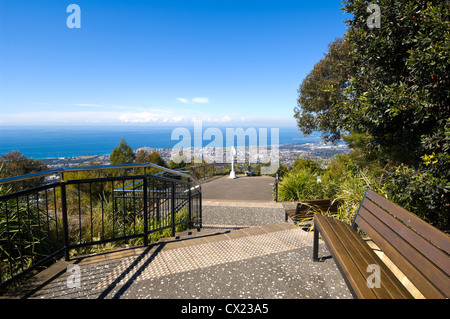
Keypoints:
pixel 244 250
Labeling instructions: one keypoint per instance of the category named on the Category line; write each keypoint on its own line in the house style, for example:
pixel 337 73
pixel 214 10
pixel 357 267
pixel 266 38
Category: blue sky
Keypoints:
pixel 136 62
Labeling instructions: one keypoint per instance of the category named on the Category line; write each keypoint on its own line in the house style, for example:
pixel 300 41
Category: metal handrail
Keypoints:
pixel 89 168
pixel 57 199
pixel 183 170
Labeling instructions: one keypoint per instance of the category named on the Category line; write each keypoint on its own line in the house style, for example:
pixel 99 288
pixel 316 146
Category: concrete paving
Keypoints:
pixel 242 188
pixel 234 213
pixel 244 250
pixel 271 262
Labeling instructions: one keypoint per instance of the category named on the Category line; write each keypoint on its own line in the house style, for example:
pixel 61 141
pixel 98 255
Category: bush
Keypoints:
pixel 344 180
pixel 299 184
pixel 422 193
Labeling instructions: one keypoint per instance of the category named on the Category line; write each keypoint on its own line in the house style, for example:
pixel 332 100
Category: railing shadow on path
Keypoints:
pixel 129 269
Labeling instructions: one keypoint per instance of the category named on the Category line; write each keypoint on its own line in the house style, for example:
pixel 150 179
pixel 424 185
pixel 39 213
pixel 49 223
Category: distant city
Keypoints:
pixel 288 153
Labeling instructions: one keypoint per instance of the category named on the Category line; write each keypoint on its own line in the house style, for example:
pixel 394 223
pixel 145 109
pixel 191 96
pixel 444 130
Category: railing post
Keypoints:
pixel 200 212
pixel 145 190
pixel 276 188
pixel 65 222
pixel 190 207
pixel 316 244
pixel 172 208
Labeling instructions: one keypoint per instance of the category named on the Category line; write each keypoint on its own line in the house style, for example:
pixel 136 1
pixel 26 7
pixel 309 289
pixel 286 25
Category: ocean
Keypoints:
pixel 42 142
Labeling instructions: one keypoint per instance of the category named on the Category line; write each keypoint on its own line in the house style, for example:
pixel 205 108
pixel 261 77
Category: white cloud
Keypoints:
pixel 177 118
pixel 201 100
pixel 226 118
pixel 183 100
pixel 46 118
pixel 115 107
pixel 135 116
pixel 88 104
pixel 138 117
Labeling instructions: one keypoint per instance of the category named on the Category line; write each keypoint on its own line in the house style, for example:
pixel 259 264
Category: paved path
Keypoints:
pixel 243 188
pixel 245 250
pixel 271 261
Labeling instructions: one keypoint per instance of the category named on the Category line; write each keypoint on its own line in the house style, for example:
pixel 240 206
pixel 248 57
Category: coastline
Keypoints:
pixel 56 142
pixel 288 153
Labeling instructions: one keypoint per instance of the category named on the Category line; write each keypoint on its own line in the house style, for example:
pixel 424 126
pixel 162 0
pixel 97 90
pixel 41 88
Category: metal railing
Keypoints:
pixel 89 206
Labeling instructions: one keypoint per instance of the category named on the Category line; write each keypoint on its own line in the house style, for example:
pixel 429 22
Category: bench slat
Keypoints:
pixel 427 249
pixel 426 279
pixel 391 287
pixel 357 284
pixel 426 230
pixel 353 255
pixel 327 205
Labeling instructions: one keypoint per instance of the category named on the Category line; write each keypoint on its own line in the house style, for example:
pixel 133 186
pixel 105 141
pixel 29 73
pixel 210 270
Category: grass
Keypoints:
pixel 340 181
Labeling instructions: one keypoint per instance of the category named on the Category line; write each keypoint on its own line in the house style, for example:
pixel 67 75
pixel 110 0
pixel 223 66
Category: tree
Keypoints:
pixel 321 103
pixel 324 105
pixel 141 157
pixel 179 161
pixel 400 92
pixel 400 89
pixel 144 156
pixel 390 86
pixel 122 154
pixel 391 98
pixel 16 164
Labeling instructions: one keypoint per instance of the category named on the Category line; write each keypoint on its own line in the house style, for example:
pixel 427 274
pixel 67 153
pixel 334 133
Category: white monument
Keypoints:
pixel 233 153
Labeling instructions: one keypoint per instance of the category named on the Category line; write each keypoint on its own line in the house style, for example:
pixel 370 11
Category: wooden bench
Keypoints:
pixel 306 209
pixel 420 251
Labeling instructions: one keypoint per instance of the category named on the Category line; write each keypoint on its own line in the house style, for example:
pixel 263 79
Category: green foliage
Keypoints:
pixel 345 180
pixel 149 157
pixel 87 191
pixel 282 170
pixel 308 164
pixel 26 234
pixel 420 191
pixel 3 188
pixel 179 161
pixel 109 221
pixel 400 90
pixel 347 176
pixel 123 154
pixel 299 184
pixel 386 91
pixel 321 95
pixel 390 85
pixel 16 164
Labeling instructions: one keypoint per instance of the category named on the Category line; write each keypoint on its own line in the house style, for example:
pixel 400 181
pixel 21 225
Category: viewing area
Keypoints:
pixel 120 232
